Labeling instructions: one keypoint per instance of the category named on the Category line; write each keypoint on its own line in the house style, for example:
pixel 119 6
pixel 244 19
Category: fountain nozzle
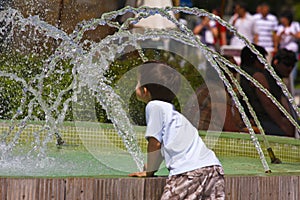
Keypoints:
pixel 274 160
pixel 59 140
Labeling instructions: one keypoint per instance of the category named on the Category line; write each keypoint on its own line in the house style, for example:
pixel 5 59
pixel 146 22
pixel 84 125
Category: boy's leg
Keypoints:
pixel 215 185
pixel 176 187
pixel 204 183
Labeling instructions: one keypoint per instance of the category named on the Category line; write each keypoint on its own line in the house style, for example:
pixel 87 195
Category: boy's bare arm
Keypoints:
pixel 154 156
pixel 154 159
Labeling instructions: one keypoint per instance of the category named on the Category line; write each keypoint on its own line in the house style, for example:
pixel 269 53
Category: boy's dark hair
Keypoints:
pixel 162 81
pixel 248 57
pixel 286 57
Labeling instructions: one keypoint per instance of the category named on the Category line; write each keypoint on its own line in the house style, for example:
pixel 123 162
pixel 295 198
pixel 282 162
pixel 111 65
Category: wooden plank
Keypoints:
pixel 288 187
pixel 106 189
pixel 120 188
pixel 80 188
pixel 154 187
pixel 22 188
pixel 232 187
pixel 30 186
pixel 131 188
pixel 236 188
pixel 249 188
pixel 13 190
pixel 269 187
pixel 51 189
pixel 3 188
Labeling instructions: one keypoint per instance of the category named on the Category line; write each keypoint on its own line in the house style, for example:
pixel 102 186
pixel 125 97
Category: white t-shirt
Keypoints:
pixel 244 26
pixel 182 147
pixel 265 27
pixel 287 40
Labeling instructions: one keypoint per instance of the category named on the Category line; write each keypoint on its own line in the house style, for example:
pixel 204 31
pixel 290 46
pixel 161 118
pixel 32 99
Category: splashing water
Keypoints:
pixel 90 61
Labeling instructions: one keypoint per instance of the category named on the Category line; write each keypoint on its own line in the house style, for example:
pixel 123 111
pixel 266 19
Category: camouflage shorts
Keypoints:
pixel 203 183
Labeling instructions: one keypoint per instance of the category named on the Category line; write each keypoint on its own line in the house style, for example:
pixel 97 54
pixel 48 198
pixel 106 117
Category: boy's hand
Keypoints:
pixel 138 174
pixel 142 174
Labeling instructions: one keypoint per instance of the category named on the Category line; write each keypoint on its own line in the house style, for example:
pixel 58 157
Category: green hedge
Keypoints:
pixel 15 97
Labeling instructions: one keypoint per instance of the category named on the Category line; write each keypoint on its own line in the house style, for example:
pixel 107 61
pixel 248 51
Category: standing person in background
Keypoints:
pixel 288 32
pixel 207 31
pixel 257 12
pixel 287 35
pixel 221 39
pixel 243 21
pixel 265 28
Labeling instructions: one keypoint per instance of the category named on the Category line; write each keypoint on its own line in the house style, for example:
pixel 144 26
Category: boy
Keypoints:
pixel 194 170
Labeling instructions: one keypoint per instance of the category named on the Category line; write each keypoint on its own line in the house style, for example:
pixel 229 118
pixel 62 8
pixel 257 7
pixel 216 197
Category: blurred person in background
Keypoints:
pixel 288 34
pixel 265 28
pixel 273 121
pixel 243 21
pixel 207 30
pixel 221 39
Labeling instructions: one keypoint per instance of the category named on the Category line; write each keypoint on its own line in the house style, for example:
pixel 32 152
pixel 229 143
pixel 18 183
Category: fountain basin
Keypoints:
pixel 237 187
pixel 75 172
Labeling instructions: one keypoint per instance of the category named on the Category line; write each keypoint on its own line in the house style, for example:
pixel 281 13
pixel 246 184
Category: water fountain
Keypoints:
pixel 80 65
